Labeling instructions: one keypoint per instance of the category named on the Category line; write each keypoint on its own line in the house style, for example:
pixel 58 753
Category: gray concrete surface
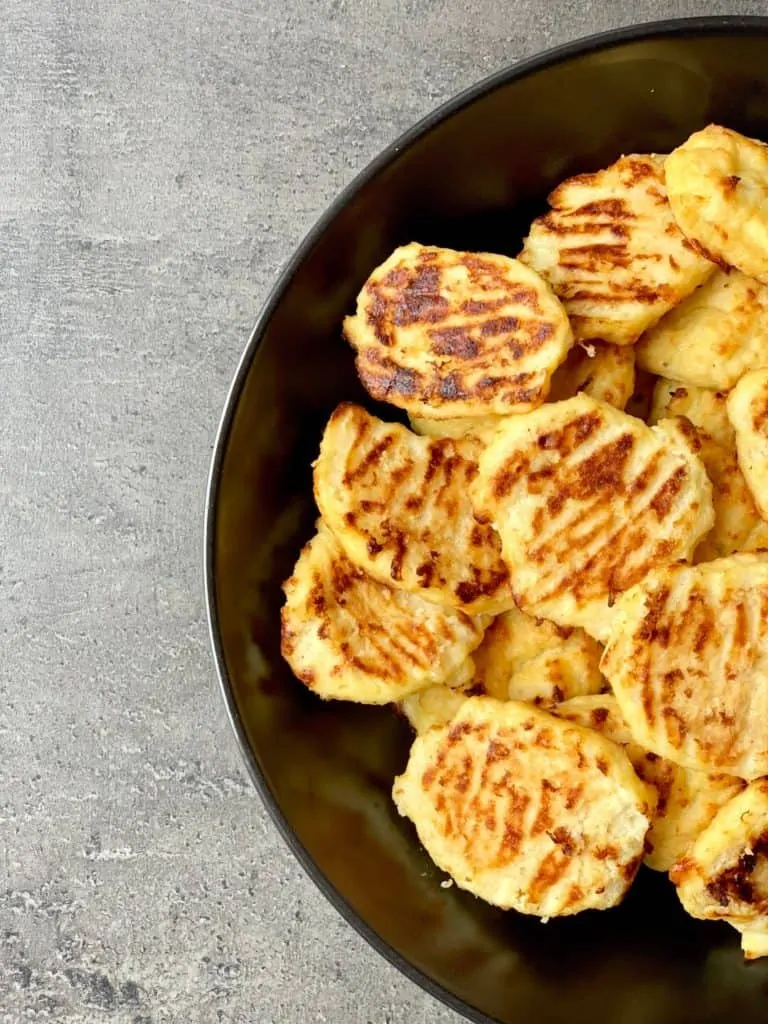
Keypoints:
pixel 158 162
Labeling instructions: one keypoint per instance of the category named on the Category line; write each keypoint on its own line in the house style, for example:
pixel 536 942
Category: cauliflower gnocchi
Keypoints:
pixel 687 658
pixel 443 334
pixel 348 637
pixel 399 506
pixel 705 408
pixel 526 810
pixel 464 426
pixel 611 250
pixel 523 658
pixel 438 704
pixel 587 500
pixel 714 337
pixel 604 371
pixel 717 183
pixel 725 875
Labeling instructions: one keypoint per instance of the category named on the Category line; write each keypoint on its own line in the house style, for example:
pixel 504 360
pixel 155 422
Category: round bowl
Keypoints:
pixel 470 176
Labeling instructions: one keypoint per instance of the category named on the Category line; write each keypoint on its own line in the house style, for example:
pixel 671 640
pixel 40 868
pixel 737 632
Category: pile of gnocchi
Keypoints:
pixel 559 571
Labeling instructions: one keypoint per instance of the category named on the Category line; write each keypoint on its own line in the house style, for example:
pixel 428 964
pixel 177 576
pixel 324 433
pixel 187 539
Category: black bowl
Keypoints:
pixel 470 176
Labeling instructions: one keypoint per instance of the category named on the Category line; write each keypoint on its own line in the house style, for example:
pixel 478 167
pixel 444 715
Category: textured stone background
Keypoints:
pixel 158 162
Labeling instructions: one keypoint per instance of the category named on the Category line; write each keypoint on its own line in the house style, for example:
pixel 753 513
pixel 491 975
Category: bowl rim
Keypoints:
pixel 691 26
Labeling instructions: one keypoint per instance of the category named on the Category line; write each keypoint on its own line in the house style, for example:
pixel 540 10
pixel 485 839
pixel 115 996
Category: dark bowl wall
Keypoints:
pixel 473 179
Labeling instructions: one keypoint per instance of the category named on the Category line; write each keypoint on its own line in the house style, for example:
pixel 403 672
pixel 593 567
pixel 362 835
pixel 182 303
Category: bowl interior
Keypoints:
pixel 471 180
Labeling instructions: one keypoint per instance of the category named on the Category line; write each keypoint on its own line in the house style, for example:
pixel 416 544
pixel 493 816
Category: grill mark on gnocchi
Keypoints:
pixel 738 525
pixel 687 658
pixel 399 506
pixel 611 250
pixel 442 333
pixel 724 877
pixel 586 500
pixel 347 637
pixel 687 800
pixel 525 810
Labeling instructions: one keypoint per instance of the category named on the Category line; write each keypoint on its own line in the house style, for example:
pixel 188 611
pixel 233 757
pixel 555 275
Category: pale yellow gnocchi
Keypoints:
pixel 717 183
